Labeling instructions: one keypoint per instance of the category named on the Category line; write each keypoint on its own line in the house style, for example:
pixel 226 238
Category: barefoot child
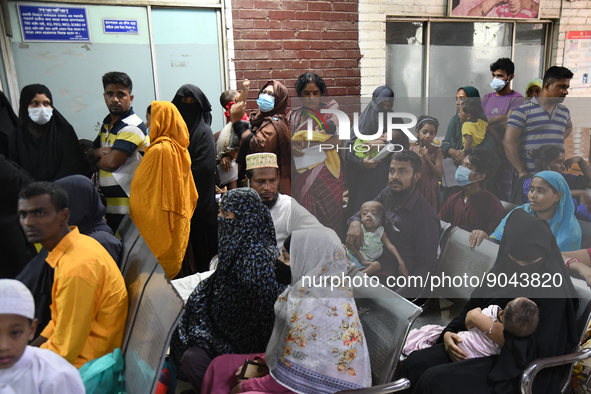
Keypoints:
pixel 432 157
pixel 374 240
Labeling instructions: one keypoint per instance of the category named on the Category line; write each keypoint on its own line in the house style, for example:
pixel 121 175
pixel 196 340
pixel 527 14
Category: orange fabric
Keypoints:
pixel 163 194
pixel 90 302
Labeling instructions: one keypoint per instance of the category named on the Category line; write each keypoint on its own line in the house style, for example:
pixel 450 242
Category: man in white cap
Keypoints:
pixel 288 216
pixel 27 369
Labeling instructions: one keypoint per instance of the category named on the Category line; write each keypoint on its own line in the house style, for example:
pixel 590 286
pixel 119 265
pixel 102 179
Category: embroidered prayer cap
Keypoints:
pixel 16 299
pixel 261 160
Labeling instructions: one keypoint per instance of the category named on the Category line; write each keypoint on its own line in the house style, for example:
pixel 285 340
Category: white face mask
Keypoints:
pixel 40 115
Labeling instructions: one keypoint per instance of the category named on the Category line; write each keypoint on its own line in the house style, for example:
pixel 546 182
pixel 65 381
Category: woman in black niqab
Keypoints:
pixel 47 152
pixel 196 111
pixel 528 239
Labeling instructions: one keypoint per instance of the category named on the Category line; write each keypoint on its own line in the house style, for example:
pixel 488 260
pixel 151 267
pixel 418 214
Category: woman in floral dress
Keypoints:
pixel 317 345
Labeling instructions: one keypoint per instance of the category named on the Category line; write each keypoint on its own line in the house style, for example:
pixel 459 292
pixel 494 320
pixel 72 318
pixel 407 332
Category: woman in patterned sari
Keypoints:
pixel 319 186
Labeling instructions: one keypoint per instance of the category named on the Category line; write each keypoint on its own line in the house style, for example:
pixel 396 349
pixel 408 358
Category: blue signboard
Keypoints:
pixel 120 26
pixel 53 23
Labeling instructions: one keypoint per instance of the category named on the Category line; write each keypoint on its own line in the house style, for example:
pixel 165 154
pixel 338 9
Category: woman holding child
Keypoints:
pixel 319 186
pixel 268 132
pixel 528 248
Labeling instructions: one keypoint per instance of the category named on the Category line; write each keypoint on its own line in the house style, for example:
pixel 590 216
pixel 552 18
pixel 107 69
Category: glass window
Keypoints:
pixel 530 48
pixel 405 58
pixel 461 54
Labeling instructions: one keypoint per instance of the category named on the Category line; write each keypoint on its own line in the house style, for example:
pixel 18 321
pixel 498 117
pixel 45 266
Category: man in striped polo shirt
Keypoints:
pixel 541 121
pixel 120 142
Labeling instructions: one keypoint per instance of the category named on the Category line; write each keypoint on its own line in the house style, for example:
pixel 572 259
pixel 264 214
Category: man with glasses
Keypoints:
pixel 474 208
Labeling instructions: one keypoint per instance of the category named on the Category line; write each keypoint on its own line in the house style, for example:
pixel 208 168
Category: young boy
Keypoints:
pixel 474 208
pixel 374 240
pixel 231 97
pixel 473 124
pixel 27 369
pixel 228 143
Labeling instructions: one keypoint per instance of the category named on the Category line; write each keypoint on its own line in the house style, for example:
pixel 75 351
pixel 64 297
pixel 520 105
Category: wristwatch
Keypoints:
pixel 494 319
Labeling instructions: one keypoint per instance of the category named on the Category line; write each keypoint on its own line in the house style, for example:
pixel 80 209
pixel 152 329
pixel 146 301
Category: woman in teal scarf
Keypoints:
pixel 549 199
pixel 452 143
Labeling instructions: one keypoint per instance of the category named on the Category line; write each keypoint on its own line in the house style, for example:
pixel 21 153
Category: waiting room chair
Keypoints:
pixel 129 234
pixel 585 234
pixel 583 319
pixel 155 309
pixel 508 206
pixel 456 260
pixel 386 318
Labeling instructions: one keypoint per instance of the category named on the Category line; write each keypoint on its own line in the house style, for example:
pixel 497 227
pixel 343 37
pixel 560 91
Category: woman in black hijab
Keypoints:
pixel 529 248
pixel 46 145
pixel 203 243
pixel 366 179
pixel 8 124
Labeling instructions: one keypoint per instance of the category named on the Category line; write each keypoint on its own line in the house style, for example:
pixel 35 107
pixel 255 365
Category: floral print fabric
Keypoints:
pixel 317 344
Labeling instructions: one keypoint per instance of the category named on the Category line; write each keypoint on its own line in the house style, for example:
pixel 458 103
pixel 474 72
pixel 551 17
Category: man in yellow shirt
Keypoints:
pixel 89 307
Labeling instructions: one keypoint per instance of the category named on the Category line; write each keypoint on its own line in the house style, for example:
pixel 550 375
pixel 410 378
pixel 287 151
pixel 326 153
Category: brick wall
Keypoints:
pixel 573 15
pixel 281 39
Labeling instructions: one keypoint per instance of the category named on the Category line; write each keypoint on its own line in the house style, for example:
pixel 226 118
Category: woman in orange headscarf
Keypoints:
pixel 163 194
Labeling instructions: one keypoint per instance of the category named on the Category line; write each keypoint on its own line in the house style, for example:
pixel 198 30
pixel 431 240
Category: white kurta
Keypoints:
pixel 289 216
pixel 41 371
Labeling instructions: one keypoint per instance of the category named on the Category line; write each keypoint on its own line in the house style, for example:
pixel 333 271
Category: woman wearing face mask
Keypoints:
pixel 46 145
pixel 269 130
pixel 549 199
pixel 318 186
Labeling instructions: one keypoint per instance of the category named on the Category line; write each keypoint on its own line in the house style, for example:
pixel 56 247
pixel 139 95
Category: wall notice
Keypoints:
pixel 577 57
pixel 53 23
pixel 120 26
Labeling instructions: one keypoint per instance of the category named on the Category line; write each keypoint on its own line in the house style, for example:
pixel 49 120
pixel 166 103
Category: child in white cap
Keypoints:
pixel 27 369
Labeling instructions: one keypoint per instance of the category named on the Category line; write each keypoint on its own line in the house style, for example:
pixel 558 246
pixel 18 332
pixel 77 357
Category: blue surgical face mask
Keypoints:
pixel 266 103
pixel 462 176
pixel 498 84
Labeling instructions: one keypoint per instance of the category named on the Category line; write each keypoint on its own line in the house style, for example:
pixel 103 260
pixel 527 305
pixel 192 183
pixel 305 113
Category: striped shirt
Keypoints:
pixel 538 128
pixel 127 135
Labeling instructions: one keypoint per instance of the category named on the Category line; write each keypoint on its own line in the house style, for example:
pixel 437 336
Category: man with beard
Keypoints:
pixel 288 216
pixel 541 121
pixel 117 150
pixel 411 224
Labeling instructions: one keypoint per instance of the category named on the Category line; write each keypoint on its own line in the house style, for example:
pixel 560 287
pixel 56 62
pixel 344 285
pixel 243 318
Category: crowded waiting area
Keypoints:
pixel 278 237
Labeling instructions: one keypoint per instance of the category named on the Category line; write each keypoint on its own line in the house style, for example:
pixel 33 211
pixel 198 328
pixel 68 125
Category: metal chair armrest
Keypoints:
pixel 529 374
pixel 391 387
